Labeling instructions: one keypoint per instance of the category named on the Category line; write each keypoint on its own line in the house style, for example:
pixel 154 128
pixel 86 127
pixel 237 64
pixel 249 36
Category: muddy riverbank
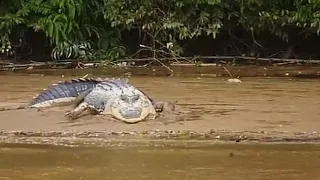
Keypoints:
pixel 256 110
pixel 301 71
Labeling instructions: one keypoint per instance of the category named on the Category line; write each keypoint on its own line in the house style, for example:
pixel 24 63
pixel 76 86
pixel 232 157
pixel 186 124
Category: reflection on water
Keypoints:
pixel 216 162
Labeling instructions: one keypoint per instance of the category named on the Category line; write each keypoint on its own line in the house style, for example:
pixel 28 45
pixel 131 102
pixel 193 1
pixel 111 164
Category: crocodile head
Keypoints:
pixel 132 108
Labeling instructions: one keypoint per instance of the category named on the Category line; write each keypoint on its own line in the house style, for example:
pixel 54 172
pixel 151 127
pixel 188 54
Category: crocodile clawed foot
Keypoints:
pixel 70 115
pixel 74 114
pixel 152 116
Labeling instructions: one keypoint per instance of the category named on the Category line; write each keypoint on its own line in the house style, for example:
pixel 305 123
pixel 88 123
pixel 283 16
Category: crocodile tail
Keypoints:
pixel 64 92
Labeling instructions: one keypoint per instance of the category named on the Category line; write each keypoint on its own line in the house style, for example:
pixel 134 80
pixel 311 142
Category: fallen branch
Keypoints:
pixel 43 65
pixel 156 59
pixel 228 72
pixel 223 58
pixel 70 63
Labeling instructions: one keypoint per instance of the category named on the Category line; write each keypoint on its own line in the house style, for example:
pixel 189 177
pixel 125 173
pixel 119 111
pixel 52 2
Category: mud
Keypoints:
pixel 258 109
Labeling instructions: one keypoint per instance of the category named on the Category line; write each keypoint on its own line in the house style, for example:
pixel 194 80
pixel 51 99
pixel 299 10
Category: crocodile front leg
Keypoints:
pixel 77 111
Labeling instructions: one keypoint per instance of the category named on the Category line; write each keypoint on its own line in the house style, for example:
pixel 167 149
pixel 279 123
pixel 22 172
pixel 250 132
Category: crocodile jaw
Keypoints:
pixel 145 111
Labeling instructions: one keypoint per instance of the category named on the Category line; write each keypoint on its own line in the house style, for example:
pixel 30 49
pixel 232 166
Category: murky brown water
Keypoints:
pixel 236 162
pixel 271 105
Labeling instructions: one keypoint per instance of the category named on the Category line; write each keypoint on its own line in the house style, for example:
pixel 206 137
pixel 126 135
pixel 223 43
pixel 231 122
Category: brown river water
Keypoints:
pixel 273 105
pixel 236 162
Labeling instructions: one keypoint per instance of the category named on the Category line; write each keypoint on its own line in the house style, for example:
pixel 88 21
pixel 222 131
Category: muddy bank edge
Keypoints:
pixel 152 137
pixel 303 71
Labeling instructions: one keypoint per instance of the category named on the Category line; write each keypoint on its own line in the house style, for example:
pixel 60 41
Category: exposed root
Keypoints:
pixel 227 71
pixel 232 80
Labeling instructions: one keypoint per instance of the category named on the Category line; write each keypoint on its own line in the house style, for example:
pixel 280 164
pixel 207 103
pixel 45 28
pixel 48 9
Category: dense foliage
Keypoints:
pixel 105 29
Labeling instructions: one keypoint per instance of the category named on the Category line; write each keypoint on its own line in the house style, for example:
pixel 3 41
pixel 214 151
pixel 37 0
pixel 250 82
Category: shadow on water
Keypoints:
pixel 219 161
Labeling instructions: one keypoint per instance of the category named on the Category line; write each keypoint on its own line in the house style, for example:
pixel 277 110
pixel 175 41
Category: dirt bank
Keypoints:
pixel 305 71
pixel 258 109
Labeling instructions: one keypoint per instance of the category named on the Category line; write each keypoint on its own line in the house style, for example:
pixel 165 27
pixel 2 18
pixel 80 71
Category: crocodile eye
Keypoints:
pixel 146 104
pixel 124 98
pixel 135 97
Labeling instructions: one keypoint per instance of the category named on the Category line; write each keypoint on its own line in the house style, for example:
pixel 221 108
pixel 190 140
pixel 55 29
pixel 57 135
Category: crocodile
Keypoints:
pixel 102 96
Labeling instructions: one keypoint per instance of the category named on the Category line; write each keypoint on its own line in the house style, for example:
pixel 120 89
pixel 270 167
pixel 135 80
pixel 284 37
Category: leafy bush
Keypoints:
pixel 93 30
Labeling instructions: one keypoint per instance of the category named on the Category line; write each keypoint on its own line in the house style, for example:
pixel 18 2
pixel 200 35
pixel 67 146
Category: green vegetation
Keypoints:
pixel 110 29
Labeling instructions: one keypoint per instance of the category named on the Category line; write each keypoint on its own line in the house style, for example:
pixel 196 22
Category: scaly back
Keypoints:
pixel 63 92
pixel 68 91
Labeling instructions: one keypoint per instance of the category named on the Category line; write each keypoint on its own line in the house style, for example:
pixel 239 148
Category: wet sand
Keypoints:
pixel 259 109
